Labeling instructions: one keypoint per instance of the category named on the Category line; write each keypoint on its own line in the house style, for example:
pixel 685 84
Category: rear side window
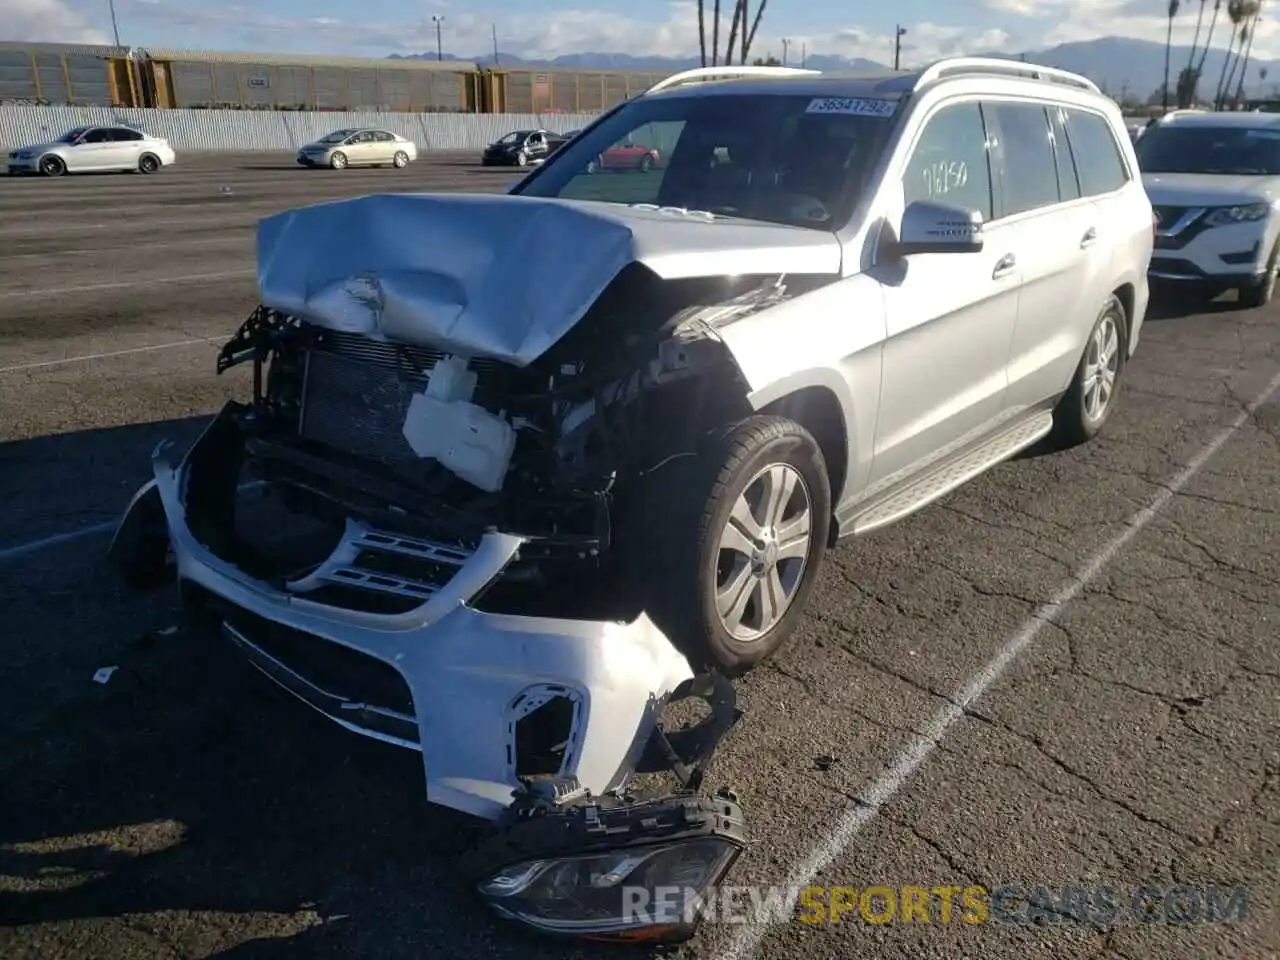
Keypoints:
pixel 1030 173
pixel 949 164
pixel 1068 179
pixel 121 135
pixel 1097 154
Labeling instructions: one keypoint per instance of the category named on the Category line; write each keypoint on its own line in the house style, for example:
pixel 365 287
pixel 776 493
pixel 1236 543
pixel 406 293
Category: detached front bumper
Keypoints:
pixel 443 678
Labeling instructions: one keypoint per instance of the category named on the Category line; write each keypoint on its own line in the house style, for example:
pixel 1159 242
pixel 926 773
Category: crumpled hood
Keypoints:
pixel 1208 189
pixel 495 275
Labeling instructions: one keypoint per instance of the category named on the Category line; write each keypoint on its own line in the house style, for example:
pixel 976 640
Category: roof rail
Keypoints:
pixel 998 67
pixel 728 72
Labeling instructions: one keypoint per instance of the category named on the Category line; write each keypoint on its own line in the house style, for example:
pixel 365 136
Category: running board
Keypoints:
pixel 952 474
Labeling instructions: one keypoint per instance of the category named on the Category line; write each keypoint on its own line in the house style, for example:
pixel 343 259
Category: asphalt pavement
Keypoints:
pixel 1066 674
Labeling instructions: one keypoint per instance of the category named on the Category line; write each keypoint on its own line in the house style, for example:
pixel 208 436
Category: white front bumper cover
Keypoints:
pixel 471 674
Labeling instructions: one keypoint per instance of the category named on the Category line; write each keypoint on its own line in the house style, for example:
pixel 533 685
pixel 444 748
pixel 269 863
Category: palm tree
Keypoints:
pixel 715 34
pixel 1235 15
pixel 702 29
pixel 1204 53
pixel 1252 27
pixel 1168 46
pixel 739 15
pixel 1195 39
pixel 755 25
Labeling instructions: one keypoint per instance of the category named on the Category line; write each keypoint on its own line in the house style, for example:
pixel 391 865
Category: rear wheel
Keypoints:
pixel 148 163
pixel 730 564
pixel 1088 402
pixel 338 161
pixel 52 166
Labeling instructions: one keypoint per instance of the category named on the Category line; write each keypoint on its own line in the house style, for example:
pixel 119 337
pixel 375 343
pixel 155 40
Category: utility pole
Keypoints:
pixel 804 53
pixel 785 42
pixel 111 4
pixel 898 34
pixel 495 44
pixel 437 20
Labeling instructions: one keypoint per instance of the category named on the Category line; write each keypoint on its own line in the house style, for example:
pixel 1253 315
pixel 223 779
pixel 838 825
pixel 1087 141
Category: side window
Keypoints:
pixel 97 136
pixel 1097 153
pixel 1068 178
pixel 123 135
pixel 949 163
pixel 1029 174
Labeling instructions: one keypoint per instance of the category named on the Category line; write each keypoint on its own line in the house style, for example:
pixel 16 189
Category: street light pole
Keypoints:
pixel 115 30
pixel 897 46
pixel 785 43
pixel 437 20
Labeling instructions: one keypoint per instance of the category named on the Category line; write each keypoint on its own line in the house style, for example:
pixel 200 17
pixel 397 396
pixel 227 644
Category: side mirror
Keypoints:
pixel 929 227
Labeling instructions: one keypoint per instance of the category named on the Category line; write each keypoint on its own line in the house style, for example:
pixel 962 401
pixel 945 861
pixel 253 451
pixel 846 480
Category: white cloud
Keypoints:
pixel 541 36
pixel 36 21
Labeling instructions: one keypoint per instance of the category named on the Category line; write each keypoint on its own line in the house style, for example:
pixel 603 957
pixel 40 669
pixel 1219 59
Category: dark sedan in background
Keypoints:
pixel 522 148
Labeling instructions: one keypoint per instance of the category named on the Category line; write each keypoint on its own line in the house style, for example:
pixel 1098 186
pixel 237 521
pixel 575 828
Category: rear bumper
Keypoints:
pixel 443 678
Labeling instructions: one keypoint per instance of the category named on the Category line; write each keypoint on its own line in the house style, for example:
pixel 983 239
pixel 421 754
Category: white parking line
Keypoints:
pixel 34 546
pixel 38 364
pixel 892 781
pixel 123 284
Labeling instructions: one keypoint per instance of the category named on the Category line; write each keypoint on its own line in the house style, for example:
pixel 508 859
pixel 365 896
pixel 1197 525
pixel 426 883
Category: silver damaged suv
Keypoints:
pixel 552 455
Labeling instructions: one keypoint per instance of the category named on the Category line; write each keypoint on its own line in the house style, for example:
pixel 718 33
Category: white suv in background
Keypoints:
pixel 1214 181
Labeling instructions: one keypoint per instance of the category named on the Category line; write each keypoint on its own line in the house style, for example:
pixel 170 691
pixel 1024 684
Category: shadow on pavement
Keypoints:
pixel 188 796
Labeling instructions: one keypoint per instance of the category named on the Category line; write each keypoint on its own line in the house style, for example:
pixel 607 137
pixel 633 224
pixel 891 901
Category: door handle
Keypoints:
pixel 1004 266
pixel 1089 239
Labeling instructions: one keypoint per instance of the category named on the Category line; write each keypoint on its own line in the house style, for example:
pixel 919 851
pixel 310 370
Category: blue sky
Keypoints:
pixel 546 28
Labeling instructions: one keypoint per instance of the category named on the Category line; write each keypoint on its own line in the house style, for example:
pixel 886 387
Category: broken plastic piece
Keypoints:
pixel 464 438
pixel 104 674
pixel 451 381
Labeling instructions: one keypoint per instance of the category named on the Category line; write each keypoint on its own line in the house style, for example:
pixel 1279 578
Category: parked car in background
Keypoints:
pixel 1214 184
pixel 94 149
pixel 359 147
pixel 625 156
pixel 523 148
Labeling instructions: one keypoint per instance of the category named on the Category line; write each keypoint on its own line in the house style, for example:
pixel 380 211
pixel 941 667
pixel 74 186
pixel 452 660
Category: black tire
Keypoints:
pixel 1073 423
pixel 646 163
pixel 1259 294
pixel 522 159
pixel 400 160
pixel 338 161
pixel 52 166
pixel 148 163
pixel 680 562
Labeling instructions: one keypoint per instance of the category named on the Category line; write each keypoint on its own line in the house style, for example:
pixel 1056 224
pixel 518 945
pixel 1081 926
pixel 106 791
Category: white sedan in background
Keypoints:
pixel 94 149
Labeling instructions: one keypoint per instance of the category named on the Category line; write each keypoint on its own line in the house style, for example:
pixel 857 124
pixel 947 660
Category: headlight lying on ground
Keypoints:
pixel 1243 213
pixel 612 869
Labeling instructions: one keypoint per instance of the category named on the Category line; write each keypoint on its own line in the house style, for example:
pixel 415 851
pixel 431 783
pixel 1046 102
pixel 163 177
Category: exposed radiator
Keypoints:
pixel 356 394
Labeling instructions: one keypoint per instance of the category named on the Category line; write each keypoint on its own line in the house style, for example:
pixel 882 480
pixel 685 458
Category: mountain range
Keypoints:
pixel 1125 68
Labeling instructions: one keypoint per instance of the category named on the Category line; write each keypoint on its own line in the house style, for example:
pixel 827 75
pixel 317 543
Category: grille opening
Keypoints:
pixel 542 738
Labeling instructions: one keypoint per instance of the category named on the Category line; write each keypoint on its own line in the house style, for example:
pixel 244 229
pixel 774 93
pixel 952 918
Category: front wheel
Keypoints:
pixel 1260 292
pixel 646 163
pixel 401 159
pixel 737 536
pixel 338 161
pixel 522 159
pixel 52 166
pixel 1088 402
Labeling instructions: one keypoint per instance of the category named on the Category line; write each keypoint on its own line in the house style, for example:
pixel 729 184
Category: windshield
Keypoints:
pixel 763 157
pixel 71 136
pixel 1224 150
pixel 337 136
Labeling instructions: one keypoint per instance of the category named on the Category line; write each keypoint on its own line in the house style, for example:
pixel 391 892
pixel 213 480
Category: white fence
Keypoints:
pixel 269 130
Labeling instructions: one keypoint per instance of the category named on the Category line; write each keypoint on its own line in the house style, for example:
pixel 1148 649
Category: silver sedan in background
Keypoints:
pixel 359 147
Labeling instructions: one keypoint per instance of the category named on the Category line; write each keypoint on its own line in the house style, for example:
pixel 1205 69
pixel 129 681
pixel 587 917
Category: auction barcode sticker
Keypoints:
pixel 852 106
